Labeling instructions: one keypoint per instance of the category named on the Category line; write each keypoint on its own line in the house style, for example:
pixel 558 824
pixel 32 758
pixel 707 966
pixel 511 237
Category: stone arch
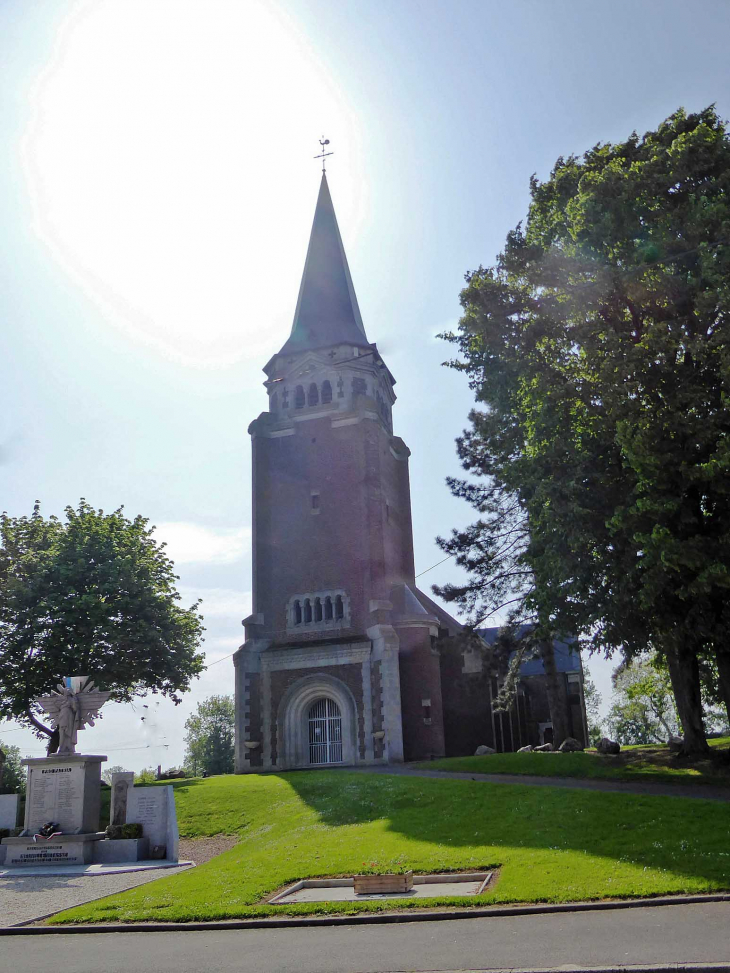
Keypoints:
pixel 292 719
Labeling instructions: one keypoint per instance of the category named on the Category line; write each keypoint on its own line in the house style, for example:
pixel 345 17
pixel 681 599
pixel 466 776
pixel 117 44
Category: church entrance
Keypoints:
pixel 325 732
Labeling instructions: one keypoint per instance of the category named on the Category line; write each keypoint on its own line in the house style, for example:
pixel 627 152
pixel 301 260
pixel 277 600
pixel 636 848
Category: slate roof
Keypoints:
pixel 327 311
pixel 567 658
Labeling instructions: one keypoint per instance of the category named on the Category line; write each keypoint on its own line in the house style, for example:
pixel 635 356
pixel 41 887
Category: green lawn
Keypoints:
pixel 643 763
pixel 552 844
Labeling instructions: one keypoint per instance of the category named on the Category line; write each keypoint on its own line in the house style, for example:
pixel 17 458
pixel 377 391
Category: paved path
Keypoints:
pixel 705 791
pixel 671 934
pixel 24 897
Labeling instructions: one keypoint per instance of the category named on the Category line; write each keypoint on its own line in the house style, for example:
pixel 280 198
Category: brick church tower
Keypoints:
pixel 339 664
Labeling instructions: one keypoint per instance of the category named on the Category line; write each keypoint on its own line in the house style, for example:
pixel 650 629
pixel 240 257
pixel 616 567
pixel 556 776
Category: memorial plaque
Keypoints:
pixel 64 850
pixel 154 809
pixel 64 790
pixel 148 806
pixel 56 794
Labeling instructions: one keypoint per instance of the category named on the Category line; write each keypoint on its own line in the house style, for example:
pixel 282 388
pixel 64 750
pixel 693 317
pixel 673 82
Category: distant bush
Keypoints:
pixel 147 775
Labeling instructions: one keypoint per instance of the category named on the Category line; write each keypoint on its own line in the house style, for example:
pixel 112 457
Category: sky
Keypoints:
pixel 157 187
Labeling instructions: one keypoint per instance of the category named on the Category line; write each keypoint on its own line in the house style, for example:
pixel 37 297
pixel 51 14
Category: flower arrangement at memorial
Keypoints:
pixel 49 830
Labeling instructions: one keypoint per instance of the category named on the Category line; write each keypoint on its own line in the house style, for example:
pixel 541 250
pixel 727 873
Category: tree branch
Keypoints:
pixel 37 724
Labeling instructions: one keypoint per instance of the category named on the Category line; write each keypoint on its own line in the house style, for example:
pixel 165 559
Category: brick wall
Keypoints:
pixel 469 721
pixel 420 679
pixel 353 542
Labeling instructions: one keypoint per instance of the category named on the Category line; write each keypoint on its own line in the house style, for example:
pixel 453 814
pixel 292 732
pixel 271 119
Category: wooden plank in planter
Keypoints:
pixel 373 884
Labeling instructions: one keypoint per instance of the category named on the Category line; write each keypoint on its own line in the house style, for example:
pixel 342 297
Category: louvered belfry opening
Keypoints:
pixel 325 732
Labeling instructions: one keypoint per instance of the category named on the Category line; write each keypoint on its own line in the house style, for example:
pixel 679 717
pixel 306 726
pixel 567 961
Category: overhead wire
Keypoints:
pixel 435 565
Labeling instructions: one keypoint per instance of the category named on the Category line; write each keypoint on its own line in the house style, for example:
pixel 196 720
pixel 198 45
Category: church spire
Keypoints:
pixel 327 312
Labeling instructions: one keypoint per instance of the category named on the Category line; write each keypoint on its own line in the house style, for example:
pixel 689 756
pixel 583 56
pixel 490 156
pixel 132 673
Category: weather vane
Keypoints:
pixel 323 155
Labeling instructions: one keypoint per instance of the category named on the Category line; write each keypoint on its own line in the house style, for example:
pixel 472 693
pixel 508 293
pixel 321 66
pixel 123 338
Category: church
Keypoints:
pixel 345 659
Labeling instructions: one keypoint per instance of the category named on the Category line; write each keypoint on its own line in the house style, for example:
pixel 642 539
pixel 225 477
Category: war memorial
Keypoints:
pixel 63 801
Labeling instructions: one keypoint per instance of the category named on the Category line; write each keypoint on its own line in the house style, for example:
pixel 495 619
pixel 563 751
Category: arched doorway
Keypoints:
pixel 295 733
pixel 325 732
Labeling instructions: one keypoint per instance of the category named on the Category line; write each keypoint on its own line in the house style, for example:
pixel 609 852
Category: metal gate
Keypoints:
pixel 325 733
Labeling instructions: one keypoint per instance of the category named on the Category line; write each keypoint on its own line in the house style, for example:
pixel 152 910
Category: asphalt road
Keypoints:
pixel 656 935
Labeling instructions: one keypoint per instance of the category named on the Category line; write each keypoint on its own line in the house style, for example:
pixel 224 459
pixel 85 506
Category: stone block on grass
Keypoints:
pixel 606 746
pixel 570 745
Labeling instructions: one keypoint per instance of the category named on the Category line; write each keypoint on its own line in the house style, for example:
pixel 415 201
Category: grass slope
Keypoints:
pixel 553 844
pixel 640 763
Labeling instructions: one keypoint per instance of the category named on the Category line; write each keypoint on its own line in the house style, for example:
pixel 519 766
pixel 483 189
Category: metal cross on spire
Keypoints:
pixel 323 155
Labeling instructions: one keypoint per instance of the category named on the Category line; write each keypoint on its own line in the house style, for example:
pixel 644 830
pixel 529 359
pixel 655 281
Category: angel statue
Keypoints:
pixel 72 708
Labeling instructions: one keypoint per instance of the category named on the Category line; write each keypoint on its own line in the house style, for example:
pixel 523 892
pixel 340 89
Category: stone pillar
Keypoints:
pixel 249 714
pixel 385 650
pixel 8 811
pixel 121 785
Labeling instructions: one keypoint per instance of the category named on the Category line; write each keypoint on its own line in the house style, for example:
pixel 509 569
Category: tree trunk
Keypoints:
pixel 684 672
pixel 660 719
pixel 723 668
pixel 52 735
pixel 556 694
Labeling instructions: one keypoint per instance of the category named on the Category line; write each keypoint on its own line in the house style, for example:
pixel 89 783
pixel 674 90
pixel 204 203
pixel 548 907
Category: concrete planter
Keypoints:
pixel 116 850
pixel 374 884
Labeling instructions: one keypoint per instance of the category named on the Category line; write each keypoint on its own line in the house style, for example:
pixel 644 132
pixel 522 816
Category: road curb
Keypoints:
pixel 379 918
pixel 665 968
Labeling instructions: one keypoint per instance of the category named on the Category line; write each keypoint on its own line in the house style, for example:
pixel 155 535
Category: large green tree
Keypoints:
pixel 642 707
pixel 12 775
pixel 599 350
pixel 209 739
pixel 92 594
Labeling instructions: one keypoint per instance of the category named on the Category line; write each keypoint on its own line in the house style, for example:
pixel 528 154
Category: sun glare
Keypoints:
pixel 169 166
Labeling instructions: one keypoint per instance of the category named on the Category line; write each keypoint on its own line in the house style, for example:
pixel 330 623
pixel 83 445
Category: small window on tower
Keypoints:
pixel 307 611
pixel 359 387
pixel 328 609
pixel 326 391
pixel 317 610
pixel 339 608
pixel 299 397
pixel 315 503
pixel 297 613
pixel 313 397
